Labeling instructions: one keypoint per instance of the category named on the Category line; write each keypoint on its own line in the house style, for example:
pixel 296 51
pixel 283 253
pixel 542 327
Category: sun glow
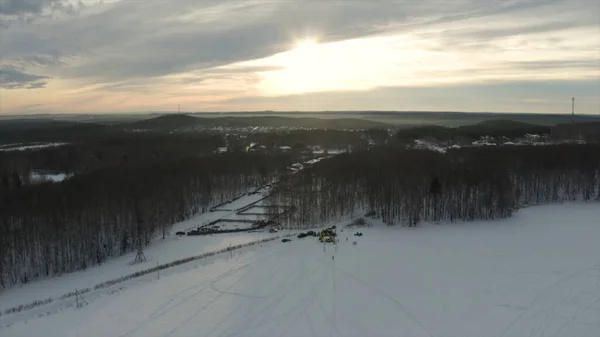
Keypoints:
pixel 306 44
pixel 404 60
pixel 312 67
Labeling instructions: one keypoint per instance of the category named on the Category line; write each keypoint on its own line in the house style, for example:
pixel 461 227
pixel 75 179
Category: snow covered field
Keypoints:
pixel 536 274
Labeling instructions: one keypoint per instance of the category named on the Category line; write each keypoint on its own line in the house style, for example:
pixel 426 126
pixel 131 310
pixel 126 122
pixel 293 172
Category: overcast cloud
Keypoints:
pixel 217 54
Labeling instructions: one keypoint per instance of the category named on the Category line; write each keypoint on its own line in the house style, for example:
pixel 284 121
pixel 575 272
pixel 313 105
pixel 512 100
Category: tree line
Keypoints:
pixel 50 229
pixel 494 128
pixel 402 186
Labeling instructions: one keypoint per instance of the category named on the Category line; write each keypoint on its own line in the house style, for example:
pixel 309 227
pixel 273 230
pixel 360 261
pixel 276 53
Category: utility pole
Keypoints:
pixel 178 109
pixel 79 300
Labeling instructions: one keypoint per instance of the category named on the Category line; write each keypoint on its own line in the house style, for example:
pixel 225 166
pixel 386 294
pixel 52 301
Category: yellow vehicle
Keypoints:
pixel 326 236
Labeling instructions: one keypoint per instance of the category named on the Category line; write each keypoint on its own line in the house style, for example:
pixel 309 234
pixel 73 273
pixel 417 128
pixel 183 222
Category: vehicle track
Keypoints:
pixel 393 300
pixel 545 316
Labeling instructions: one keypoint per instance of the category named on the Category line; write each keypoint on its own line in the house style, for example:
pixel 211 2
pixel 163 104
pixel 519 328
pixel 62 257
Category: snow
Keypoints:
pixel 37 177
pixel 536 274
pixel 483 143
pixel 28 147
pixel 241 202
pixel 314 161
pixel 419 144
pixel 249 217
pixel 329 151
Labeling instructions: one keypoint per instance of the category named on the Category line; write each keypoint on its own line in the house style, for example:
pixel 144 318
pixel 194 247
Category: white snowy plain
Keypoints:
pixel 535 274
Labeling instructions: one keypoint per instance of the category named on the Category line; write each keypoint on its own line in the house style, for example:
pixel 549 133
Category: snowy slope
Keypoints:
pixel 160 251
pixel 536 274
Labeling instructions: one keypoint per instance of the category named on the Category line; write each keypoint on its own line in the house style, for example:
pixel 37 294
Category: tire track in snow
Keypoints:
pixel 270 308
pixel 309 323
pixel 164 309
pixel 283 290
pixel 204 307
pixel 227 317
pixel 160 311
pixel 534 308
pixel 393 300
pixel 311 291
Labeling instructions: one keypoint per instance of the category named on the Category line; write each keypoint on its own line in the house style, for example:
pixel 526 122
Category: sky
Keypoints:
pixel 68 56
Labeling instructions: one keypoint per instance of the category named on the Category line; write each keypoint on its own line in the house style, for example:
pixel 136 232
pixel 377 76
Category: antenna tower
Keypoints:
pixel 573 110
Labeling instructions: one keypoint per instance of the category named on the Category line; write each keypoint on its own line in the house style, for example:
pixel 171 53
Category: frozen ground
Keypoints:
pixel 536 274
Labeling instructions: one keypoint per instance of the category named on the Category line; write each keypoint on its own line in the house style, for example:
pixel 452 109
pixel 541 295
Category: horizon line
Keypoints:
pixel 302 111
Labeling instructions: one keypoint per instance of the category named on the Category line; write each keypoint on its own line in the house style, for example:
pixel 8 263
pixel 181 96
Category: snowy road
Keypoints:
pixel 532 275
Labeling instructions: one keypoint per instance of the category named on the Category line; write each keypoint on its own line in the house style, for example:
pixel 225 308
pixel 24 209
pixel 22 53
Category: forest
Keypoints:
pixel 134 149
pixel 406 187
pixel 83 156
pixel 128 187
pixel 50 229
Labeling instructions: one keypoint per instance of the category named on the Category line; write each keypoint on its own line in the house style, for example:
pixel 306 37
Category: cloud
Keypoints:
pixel 15 12
pixel 593 66
pixel 17 7
pixel 188 47
pixel 12 78
pixel 181 35
pixel 31 106
pixel 53 59
pixel 33 7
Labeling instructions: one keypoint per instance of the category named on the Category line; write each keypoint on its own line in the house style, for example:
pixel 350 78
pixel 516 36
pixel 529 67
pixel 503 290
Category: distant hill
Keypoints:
pixel 166 122
pixel 21 124
pixel 589 131
pixel 182 122
pixel 15 131
pixel 506 124
pixel 404 119
pixel 502 127
pixel 495 128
